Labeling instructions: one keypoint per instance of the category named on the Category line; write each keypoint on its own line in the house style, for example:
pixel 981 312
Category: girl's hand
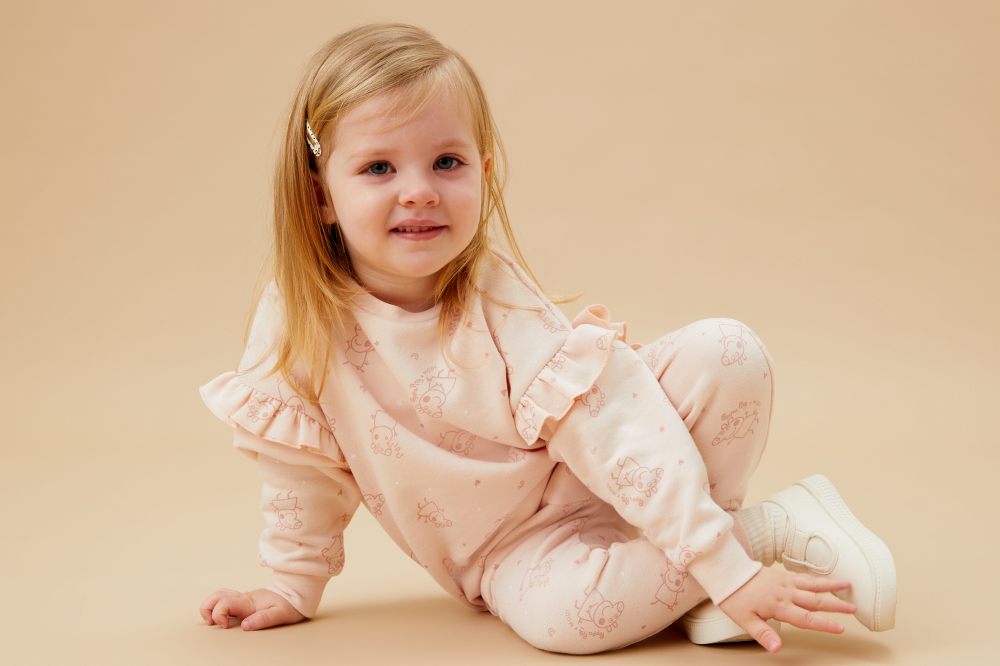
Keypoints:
pixel 786 597
pixel 258 609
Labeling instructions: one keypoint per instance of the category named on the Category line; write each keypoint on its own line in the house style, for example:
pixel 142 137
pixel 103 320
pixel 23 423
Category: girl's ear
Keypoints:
pixel 487 161
pixel 319 188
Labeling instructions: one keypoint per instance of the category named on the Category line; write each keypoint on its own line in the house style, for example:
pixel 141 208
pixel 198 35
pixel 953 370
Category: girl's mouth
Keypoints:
pixel 417 233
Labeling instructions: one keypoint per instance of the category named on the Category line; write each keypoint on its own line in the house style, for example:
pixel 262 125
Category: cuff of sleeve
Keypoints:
pixel 303 592
pixel 724 570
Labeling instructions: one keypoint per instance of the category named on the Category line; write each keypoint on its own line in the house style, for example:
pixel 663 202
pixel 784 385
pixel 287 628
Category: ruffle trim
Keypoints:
pixel 239 404
pixel 570 373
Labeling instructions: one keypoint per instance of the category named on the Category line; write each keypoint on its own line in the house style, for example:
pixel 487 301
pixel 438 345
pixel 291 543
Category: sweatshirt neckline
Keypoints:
pixel 366 301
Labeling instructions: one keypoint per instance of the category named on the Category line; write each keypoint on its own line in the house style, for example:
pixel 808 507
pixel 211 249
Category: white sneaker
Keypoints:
pixel 824 538
pixel 707 623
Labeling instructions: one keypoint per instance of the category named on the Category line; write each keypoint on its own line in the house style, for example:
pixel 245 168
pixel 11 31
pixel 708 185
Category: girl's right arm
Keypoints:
pixel 305 508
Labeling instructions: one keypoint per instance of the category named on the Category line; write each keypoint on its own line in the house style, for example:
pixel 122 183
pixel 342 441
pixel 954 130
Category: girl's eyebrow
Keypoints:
pixel 383 150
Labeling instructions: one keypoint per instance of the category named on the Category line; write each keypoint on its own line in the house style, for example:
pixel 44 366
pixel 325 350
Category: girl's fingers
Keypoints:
pixel 237 606
pixel 819 602
pixel 805 619
pixel 205 610
pixel 209 603
pixel 762 633
pixel 267 617
pixel 817 584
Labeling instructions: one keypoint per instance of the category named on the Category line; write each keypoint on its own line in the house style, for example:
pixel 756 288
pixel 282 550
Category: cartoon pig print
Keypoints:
pixel 384 438
pixel 604 341
pixel 633 482
pixel 430 391
pixel 738 423
pixel 334 555
pixel 658 352
pixel 673 579
pixel 515 454
pixel 358 348
pixel 287 509
pixel 261 408
pixel 290 394
pixel 460 442
pixel 557 362
pixel 734 344
pixel 528 427
pixel 654 354
pixel 536 576
pixel 594 399
pixel 374 503
pixel 431 513
pixel 595 614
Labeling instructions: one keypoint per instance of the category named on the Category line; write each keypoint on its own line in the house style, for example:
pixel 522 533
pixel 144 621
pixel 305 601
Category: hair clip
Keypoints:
pixel 313 141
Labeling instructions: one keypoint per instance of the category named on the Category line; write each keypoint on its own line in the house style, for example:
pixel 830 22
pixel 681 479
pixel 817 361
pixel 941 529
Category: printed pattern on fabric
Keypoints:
pixel 733 344
pixel 287 510
pixel 674 579
pixel 334 555
pixel 430 513
pixel 738 423
pixel 358 348
pixel 374 503
pixel 460 442
pixel 595 616
pixel 594 399
pixel 536 576
pixel 632 482
pixel 429 392
pixel 384 438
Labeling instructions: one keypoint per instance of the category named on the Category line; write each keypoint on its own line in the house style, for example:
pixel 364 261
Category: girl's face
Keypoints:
pixel 380 178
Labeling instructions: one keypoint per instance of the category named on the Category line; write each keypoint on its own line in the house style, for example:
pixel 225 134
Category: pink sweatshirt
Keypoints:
pixel 450 460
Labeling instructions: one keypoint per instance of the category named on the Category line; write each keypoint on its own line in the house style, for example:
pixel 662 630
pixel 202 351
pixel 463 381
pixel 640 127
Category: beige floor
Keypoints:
pixel 824 172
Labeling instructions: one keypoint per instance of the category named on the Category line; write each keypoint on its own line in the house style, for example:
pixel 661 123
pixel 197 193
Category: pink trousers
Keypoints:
pixel 587 581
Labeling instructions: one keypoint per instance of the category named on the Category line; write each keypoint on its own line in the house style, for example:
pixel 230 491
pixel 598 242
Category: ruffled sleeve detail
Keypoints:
pixel 268 417
pixel 570 373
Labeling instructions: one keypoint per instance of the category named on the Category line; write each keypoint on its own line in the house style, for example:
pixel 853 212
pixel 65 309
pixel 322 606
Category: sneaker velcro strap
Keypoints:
pixel 794 551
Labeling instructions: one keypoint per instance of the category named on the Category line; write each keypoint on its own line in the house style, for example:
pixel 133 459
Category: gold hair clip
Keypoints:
pixel 313 141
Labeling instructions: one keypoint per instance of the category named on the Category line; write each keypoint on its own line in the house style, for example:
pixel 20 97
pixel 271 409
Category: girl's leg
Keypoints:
pixel 592 582
pixel 719 376
pixel 587 584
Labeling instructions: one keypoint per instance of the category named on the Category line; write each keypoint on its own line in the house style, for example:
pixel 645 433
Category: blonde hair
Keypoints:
pixel 311 266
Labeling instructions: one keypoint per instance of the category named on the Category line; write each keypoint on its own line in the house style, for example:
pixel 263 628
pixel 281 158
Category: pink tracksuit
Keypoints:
pixel 576 486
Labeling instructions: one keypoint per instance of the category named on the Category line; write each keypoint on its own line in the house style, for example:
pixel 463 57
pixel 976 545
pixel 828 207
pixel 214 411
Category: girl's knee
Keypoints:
pixel 725 344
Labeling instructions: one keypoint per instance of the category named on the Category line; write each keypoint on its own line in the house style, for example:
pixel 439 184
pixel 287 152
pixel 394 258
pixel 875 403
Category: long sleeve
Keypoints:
pixel 305 510
pixel 605 415
pixel 308 493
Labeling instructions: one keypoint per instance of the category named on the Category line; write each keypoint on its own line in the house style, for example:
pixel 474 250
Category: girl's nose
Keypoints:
pixel 418 190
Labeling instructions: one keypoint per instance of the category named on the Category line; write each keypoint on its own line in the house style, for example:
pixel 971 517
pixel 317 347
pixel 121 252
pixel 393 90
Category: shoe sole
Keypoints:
pixel 882 566
pixel 719 629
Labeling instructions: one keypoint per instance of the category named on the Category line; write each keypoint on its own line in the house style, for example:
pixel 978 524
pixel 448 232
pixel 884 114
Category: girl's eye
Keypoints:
pixel 449 157
pixel 375 169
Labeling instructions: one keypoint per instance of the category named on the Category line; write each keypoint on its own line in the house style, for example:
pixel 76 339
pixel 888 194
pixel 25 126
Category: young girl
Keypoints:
pixel 586 490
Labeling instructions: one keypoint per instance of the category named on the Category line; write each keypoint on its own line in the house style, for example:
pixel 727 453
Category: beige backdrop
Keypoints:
pixel 826 172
